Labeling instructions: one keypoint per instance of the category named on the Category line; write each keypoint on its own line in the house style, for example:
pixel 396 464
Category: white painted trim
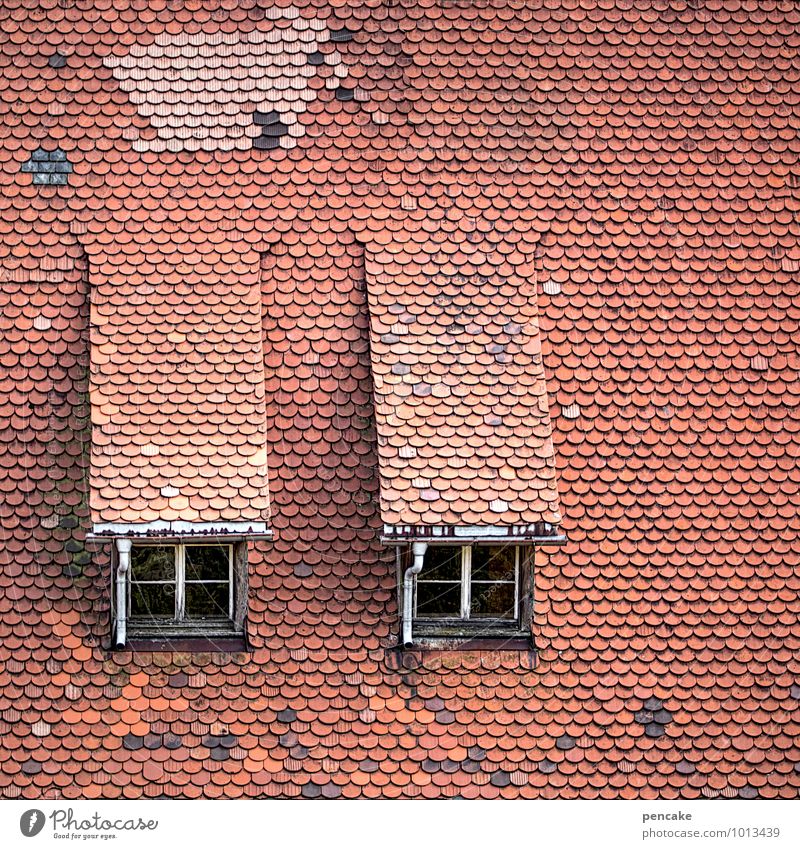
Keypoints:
pixel 531 540
pixel 123 571
pixel 466 580
pixel 178 528
pixel 444 533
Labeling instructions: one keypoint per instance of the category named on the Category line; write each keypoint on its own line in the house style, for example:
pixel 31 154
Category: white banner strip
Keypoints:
pixel 338 825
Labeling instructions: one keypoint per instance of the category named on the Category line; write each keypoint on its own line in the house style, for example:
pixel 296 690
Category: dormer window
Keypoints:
pixel 467 591
pixel 174 585
pixel 470 583
pixel 179 588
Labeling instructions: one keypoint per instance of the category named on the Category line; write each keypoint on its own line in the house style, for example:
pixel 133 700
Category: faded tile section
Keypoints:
pixel 461 402
pixel 200 90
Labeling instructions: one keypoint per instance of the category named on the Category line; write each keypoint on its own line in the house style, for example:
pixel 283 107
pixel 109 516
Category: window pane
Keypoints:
pixel 442 563
pixel 493 562
pixel 207 562
pixel 153 600
pixel 438 600
pixel 153 563
pixel 495 601
pixel 206 600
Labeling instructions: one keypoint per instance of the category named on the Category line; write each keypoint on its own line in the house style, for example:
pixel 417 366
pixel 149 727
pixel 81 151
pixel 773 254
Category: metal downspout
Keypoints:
pixel 418 550
pixel 123 564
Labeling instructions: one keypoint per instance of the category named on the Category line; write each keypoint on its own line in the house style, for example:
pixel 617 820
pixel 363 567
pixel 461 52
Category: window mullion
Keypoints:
pixel 466 582
pixel 180 552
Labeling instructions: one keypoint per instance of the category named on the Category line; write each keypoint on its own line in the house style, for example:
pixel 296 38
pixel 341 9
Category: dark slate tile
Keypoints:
pixel 264 118
pixel 565 743
pixel 132 742
pixel 331 791
pixel 654 730
pixel 275 130
pixel 501 778
pixel 264 143
pixel 287 715
pixel 547 767
pixel 339 36
pixel 653 704
pixel 152 741
pixel 311 791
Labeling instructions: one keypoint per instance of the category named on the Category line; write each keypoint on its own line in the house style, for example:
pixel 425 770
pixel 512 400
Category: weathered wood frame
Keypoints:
pixel 449 628
pixel 239 583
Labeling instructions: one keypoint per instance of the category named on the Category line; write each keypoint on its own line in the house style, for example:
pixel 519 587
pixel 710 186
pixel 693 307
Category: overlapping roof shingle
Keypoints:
pixel 646 157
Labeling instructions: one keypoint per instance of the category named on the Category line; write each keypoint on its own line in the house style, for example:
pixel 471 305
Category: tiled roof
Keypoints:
pixel 461 403
pixel 177 381
pixel 645 158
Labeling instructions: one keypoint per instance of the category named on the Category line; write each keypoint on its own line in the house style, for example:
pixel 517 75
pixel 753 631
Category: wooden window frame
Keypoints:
pixel 465 626
pixel 179 625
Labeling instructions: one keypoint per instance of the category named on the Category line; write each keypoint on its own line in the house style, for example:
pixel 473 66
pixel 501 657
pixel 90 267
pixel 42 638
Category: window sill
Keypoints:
pixel 185 643
pixel 497 640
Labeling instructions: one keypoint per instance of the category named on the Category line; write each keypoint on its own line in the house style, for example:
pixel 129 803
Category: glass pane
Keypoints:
pixel 442 563
pixel 206 600
pixel 153 600
pixel 493 562
pixel 153 563
pixel 207 562
pixel 495 601
pixel 438 600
